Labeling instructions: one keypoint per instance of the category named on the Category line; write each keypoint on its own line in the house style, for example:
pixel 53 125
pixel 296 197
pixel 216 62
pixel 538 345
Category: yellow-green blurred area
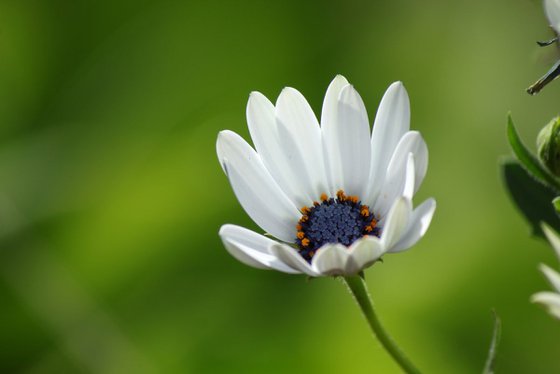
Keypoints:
pixel 111 195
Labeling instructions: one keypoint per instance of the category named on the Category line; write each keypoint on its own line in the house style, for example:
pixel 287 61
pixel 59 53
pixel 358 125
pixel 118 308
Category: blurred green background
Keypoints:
pixel 111 195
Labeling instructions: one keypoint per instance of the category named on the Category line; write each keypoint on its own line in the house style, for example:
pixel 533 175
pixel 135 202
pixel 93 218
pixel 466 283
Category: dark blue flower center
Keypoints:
pixel 334 220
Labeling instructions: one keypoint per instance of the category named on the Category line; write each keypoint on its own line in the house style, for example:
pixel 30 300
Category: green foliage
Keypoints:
pixel 532 198
pixel 528 160
pixel 531 185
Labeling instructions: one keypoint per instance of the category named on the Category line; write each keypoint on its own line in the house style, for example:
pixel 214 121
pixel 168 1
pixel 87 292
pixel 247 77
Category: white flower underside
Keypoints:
pixel 552 11
pixel 550 300
pixel 296 159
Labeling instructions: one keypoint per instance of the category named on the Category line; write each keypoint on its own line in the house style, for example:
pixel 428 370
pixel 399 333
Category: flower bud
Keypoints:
pixel 548 146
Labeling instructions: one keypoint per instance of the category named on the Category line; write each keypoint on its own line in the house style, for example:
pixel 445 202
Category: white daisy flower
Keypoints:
pixel 335 198
pixel 550 300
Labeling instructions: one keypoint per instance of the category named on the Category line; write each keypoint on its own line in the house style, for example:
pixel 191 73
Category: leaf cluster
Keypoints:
pixel 532 187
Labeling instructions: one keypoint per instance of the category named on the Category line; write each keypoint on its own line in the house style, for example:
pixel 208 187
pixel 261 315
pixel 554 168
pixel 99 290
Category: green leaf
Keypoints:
pixel 491 359
pixel 528 160
pixel 531 197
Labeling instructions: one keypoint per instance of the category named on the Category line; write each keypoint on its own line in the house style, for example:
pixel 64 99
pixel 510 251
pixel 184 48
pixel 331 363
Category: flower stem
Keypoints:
pixel 358 289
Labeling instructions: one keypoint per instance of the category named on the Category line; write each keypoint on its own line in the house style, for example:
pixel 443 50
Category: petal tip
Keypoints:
pixel 339 80
pixel 287 89
pixel 398 87
pixel 345 92
pixel 223 229
pixel 257 95
pixel 433 204
pixel 286 96
pixel 222 135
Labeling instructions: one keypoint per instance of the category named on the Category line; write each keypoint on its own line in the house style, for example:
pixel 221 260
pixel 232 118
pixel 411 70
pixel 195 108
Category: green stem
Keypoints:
pixel 358 289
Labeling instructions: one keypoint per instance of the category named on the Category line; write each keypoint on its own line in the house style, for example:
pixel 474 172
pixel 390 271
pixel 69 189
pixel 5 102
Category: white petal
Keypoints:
pixel 251 248
pixel 301 135
pixel 412 142
pixel 329 129
pixel 552 11
pixel 408 188
pixel 261 119
pixel 550 300
pixel 552 276
pixel 254 187
pixel 363 253
pixel 292 258
pixel 396 223
pixel 331 259
pixel 347 144
pixel 355 147
pixel 419 223
pixel 399 182
pixel 552 237
pixel 330 103
pixel 391 123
